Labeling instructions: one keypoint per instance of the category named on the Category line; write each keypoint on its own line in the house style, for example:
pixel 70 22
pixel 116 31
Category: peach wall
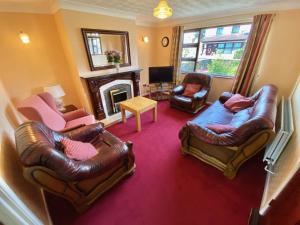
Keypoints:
pixel 145 53
pixel 73 21
pixel 26 69
pixel 69 24
pixel 152 53
pixel 280 59
pixel 162 54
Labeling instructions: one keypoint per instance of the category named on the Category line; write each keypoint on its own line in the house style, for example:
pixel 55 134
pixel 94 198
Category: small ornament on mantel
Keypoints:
pixel 117 66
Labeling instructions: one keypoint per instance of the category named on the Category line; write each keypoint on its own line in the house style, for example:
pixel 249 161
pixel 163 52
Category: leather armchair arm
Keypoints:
pixel 72 170
pixel 178 90
pixel 85 133
pixel 75 114
pixel 201 94
pixel 225 96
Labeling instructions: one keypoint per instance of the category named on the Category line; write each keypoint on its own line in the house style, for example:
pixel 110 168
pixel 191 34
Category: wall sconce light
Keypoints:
pixel 145 39
pixel 24 37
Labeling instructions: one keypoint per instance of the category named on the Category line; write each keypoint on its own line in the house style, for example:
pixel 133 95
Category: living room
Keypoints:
pixel 43 45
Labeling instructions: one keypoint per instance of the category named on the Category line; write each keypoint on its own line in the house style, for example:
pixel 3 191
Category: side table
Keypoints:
pixel 69 108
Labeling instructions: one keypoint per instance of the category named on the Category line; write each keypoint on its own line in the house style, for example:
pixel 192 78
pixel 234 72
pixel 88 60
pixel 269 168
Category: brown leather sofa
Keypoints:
pixel 227 151
pixel 195 103
pixel 80 182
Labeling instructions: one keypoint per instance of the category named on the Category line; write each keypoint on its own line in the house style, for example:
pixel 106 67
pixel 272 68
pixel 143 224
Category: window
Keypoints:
pixel 94 43
pixel 189 50
pixel 215 50
pixel 235 29
pixel 220 31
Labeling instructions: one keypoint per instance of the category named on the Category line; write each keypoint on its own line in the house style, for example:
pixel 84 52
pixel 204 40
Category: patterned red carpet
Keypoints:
pixel 168 188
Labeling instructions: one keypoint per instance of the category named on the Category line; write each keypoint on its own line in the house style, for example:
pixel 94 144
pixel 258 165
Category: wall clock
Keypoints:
pixel 165 41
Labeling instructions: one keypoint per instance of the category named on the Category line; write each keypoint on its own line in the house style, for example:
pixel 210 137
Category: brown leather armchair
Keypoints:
pixel 228 151
pixel 80 182
pixel 195 103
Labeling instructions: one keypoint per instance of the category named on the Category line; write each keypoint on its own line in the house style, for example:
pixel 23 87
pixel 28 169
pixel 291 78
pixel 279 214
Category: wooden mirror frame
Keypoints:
pixel 84 32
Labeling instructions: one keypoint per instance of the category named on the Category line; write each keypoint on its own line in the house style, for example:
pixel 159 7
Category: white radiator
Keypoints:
pixel 284 128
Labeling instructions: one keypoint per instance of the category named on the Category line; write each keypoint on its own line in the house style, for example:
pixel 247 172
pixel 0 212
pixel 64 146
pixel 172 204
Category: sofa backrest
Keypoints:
pixel 49 100
pixel 265 104
pixel 261 116
pixel 35 108
pixel 33 140
pixel 198 78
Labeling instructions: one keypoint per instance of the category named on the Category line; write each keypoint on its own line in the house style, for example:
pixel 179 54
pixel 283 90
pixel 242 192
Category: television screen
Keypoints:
pixel 162 74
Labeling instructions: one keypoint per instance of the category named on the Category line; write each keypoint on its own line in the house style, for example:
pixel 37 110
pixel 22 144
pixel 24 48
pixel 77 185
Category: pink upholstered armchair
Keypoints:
pixel 42 108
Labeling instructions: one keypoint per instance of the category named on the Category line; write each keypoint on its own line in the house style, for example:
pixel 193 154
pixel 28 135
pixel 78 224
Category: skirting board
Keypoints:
pixel 14 210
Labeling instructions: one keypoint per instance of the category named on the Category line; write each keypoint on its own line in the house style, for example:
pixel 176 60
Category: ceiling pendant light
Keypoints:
pixel 163 10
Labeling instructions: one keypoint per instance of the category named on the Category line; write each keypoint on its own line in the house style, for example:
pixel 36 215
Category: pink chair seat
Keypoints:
pixel 42 108
pixel 86 120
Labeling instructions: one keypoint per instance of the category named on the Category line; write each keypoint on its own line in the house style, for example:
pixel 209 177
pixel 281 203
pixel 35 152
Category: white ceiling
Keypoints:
pixel 142 9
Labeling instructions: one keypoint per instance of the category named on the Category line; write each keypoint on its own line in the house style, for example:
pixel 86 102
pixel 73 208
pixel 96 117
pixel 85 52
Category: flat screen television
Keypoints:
pixel 163 74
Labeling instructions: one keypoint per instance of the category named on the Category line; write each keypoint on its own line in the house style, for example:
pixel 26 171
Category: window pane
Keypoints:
pixel 191 37
pixel 187 66
pixel 219 52
pixel 237 45
pixel 221 45
pixel 228 45
pixel 220 31
pixel 189 52
pixel 235 29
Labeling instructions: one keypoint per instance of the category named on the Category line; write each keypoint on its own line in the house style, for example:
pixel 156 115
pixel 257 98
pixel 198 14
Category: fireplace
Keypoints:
pixel 99 87
pixel 114 92
pixel 116 97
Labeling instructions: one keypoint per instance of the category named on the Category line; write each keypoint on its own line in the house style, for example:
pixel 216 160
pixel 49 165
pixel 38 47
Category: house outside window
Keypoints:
pixel 219 31
pixel 235 29
pixel 207 51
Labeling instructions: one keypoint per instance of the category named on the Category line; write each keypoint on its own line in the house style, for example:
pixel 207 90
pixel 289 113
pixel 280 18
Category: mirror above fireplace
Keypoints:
pixel 106 49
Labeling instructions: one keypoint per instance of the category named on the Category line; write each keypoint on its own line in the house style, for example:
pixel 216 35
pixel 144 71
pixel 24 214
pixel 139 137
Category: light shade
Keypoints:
pixel 24 38
pixel 145 39
pixel 162 11
pixel 56 91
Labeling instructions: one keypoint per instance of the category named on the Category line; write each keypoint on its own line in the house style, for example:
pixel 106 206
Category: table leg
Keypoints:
pixel 123 114
pixel 138 122
pixel 155 113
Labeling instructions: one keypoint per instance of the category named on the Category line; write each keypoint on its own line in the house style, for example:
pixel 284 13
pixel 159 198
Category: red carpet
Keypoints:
pixel 168 188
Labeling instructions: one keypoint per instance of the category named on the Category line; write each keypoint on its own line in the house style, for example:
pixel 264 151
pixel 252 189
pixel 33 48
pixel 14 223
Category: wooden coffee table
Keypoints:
pixel 138 105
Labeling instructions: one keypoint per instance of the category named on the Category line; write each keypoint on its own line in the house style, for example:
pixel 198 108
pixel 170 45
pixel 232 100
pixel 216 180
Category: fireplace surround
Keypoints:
pixel 94 84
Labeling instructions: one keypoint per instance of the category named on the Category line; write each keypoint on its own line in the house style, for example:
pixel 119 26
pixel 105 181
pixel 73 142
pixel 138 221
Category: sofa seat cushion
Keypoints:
pixel 241 117
pixel 214 114
pixel 86 120
pixel 111 150
pixel 220 128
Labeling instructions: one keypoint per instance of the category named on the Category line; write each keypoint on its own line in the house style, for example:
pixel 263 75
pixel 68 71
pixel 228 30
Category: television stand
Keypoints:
pixel 160 91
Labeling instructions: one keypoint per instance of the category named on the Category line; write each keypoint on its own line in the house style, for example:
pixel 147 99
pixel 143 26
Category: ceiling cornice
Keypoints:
pixel 81 7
